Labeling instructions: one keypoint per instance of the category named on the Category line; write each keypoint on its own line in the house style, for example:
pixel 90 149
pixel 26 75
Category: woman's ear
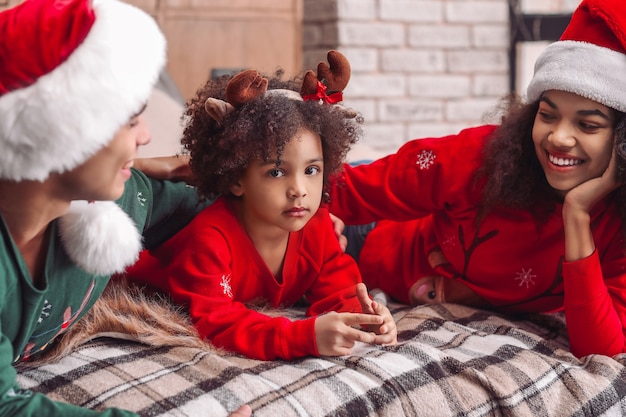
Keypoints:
pixel 236 189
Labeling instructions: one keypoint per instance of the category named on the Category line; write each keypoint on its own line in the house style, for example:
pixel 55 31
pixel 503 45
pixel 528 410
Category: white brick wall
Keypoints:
pixel 476 11
pixel 411 11
pixel 420 68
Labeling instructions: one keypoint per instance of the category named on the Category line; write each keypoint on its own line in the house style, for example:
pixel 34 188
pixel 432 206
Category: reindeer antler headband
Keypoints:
pixel 326 86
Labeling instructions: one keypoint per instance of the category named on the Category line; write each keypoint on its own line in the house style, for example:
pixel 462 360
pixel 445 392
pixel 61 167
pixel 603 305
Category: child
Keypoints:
pixel 527 216
pixel 268 153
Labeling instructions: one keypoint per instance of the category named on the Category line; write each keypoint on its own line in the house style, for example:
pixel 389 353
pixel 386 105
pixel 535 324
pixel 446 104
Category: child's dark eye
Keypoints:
pixel 276 173
pixel 312 170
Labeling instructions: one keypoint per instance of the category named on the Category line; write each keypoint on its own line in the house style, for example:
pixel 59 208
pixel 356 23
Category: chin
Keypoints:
pixel 118 193
pixel 113 194
pixel 296 227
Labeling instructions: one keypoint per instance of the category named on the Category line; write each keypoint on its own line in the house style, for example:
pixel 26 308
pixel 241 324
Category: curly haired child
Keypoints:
pixel 267 150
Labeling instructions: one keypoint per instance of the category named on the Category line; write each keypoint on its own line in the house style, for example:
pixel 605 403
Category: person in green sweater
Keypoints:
pixel 74 79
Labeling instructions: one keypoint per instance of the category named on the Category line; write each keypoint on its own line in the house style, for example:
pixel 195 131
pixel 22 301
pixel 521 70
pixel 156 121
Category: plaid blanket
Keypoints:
pixel 450 361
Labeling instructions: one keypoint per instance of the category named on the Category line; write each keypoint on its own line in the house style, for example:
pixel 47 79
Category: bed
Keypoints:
pixel 451 360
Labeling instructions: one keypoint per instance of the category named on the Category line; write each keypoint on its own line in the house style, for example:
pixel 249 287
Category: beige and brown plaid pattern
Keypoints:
pixel 450 361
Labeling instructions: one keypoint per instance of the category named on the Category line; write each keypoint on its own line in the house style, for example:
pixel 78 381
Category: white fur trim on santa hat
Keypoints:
pixel 582 68
pixel 65 117
pixel 99 237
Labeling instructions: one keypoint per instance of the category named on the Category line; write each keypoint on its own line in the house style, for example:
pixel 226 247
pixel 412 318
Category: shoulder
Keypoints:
pixel 320 222
pixel 137 181
pixel 470 138
pixel 165 191
pixel 218 218
pixel 218 213
pixel 318 232
pixel 9 267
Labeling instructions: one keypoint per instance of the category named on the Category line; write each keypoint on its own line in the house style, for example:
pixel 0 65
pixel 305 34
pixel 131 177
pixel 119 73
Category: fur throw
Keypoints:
pixel 130 312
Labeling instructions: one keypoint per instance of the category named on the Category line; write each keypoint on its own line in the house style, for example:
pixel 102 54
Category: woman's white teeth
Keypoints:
pixel 564 162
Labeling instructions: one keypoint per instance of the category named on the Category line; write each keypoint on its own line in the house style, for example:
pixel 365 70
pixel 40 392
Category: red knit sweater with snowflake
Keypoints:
pixel 513 261
pixel 212 267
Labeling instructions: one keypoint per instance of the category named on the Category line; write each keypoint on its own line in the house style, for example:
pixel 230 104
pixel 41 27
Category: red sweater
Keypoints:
pixel 512 261
pixel 212 267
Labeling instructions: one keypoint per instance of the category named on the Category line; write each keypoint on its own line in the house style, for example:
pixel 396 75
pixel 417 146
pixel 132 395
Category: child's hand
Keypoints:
pixel 335 333
pixel 387 333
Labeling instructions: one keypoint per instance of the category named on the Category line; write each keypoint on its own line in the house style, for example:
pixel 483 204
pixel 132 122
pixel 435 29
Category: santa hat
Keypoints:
pixel 590 57
pixel 73 72
pixel 71 76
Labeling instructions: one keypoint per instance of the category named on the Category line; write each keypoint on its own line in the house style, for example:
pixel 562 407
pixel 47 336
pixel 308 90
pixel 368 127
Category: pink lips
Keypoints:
pixel 126 169
pixel 297 212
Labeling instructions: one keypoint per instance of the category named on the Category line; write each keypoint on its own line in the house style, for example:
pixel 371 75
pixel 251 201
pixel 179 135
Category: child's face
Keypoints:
pixel 573 139
pixel 284 196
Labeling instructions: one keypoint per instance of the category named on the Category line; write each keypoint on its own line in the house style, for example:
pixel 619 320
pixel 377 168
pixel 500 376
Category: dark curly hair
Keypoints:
pixel 220 152
pixel 512 173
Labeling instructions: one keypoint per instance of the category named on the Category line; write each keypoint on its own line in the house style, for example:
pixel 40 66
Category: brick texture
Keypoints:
pixel 420 68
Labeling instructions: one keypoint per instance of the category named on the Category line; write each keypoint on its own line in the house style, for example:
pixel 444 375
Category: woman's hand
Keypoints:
pixel 577 206
pixel 338 226
pixel 584 196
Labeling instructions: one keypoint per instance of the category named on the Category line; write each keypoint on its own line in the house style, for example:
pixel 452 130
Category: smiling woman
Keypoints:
pixel 526 216
pixel 574 139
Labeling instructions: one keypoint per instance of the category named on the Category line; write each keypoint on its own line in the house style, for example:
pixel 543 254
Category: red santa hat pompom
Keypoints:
pixel 72 73
pixel 590 57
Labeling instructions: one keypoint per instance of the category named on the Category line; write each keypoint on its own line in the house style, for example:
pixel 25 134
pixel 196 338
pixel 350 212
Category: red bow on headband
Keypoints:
pixel 320 94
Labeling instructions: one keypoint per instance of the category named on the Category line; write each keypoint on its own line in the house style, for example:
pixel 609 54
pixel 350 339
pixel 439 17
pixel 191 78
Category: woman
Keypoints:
pixel 522 217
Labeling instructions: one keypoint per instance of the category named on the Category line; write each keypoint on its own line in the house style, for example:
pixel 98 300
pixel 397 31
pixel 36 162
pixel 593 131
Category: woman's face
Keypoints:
pixel 102 177
pixel 573 137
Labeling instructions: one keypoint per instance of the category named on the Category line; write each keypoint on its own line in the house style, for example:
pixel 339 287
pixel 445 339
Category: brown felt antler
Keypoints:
pixel 245 87
pixel 248 85
pixel 334 76
pixel 241 89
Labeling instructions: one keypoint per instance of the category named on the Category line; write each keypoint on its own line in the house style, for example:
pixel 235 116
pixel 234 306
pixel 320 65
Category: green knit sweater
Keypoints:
pixel 31 317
